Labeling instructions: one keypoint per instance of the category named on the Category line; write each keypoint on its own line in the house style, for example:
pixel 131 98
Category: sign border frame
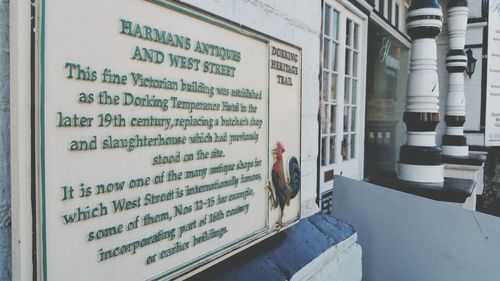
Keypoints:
pixel 199 262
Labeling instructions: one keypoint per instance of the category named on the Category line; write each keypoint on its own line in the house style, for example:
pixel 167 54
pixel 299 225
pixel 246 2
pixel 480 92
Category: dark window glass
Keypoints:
pixel 387 72
pixel 335 25
pixel 396 16
pixel 389 10
pixel 326 24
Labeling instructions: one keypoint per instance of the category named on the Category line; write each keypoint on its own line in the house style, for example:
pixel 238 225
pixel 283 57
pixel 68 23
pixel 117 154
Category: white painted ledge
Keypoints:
pixel 341 262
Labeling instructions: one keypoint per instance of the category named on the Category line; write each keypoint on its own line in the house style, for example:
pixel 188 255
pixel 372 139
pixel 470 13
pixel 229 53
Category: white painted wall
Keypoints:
pixel 5 229
pixel 472 87
pixel 406 237
pixel 475 8
pixel 297 22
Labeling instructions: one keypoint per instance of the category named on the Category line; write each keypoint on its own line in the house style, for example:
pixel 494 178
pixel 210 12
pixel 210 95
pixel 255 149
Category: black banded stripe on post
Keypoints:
pixel 420 155
pixel 456 61
pixel 421 121
pixel 424 19
pixel 454 121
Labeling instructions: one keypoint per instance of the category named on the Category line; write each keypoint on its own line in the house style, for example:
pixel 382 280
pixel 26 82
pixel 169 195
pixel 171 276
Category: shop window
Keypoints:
pixel 389 11
pixel 329 87
pixel 396 16
pixel 387 70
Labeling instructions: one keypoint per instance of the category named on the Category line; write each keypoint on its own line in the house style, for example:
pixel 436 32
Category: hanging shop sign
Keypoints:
pixel 168 138
pixel 492 124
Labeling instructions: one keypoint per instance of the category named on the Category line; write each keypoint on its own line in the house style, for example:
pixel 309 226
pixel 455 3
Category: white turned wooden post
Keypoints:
pixel 454 142
pixel 420 157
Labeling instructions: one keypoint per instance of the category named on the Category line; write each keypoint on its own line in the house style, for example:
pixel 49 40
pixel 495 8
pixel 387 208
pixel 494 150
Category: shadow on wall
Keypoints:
pixel 5 213
pixel 5 243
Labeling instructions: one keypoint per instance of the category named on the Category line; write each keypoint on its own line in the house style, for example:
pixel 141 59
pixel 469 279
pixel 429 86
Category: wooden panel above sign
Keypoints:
pixel 168 138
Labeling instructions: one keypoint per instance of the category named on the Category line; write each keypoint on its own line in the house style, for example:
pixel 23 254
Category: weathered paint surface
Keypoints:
pixel 285 254
pixel 5 232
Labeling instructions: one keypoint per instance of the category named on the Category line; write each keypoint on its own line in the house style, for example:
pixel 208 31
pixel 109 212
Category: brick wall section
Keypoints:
pixel 5 218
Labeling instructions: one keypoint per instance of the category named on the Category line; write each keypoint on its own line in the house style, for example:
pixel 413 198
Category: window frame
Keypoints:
pixel 353 166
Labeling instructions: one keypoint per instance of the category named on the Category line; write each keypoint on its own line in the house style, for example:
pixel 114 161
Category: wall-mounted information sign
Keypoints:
pixel 168 138
pixel 492 126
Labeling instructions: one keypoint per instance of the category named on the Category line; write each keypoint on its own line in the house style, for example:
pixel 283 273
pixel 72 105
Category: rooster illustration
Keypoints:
pixel 284 189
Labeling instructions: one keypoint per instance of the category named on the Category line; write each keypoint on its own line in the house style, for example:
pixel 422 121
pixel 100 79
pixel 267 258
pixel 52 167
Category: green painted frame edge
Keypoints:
pixel 42 136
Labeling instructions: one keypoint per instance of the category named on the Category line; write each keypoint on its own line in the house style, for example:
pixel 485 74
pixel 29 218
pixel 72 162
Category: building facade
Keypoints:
pixel 362 109
pixel 355 64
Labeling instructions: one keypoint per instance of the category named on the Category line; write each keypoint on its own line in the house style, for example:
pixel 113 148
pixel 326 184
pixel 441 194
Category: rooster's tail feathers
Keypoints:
pixel 294 169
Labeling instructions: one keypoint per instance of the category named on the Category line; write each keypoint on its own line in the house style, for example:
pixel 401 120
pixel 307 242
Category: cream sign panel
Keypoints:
pixel 167 138
pixel 492 126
